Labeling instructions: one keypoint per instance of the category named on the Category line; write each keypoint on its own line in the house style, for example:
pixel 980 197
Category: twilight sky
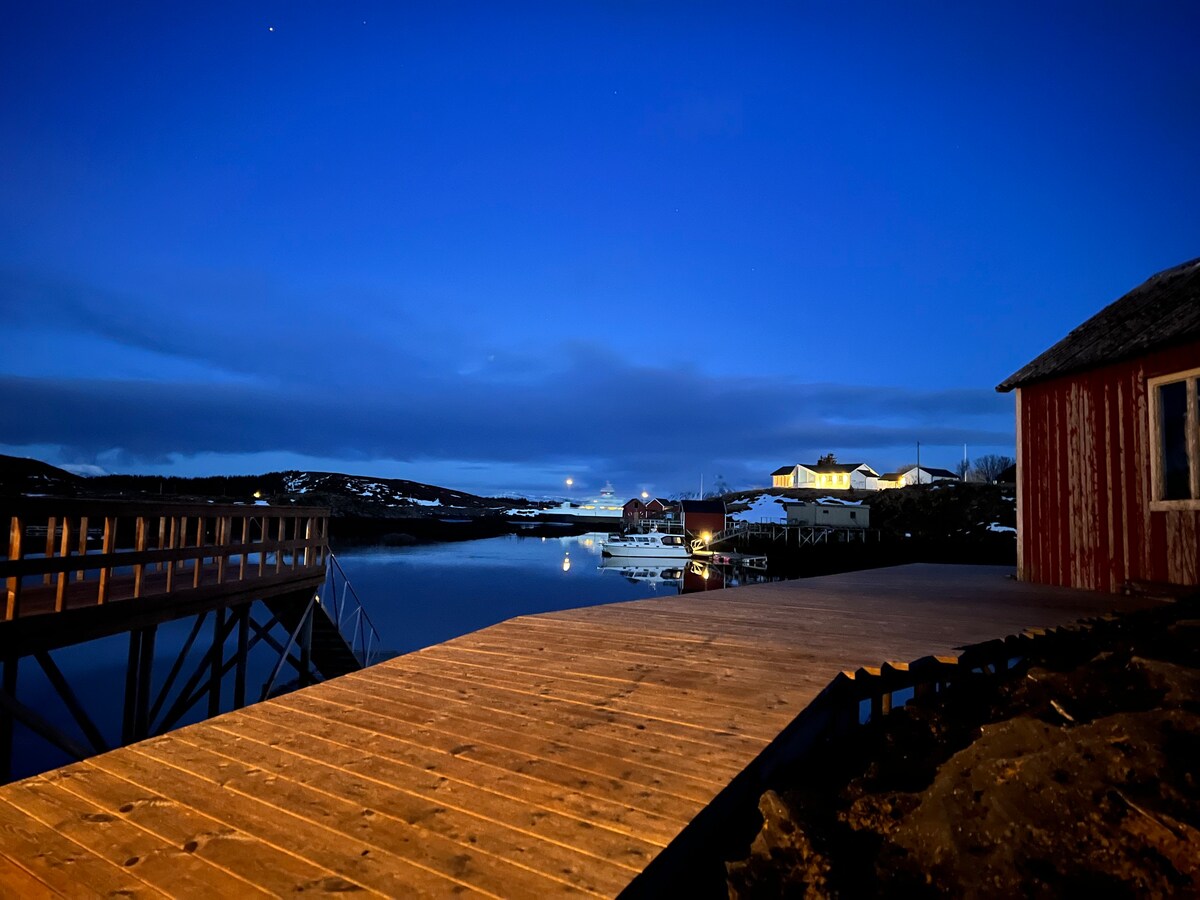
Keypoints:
pixel 491 246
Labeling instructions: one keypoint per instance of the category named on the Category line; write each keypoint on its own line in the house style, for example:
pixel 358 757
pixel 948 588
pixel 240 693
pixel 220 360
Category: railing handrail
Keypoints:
pixel 180 543
pixel 363 636
pixel 75 506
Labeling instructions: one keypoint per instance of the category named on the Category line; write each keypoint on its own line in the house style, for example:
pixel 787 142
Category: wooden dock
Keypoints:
pixel 550 754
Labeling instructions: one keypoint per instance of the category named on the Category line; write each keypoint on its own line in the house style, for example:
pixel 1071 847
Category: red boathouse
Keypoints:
pixel 1108 444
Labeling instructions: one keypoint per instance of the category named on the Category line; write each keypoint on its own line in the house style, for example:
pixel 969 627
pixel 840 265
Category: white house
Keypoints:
pixel 915 475
pixel 826 476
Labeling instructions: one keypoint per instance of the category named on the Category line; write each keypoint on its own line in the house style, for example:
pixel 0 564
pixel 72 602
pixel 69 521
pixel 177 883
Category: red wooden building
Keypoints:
pixel 1108 444
pixel 634 511
pixel 702 516
pixel 661 508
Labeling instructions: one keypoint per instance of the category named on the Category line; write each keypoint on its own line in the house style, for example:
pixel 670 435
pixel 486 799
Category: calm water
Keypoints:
pixel 416 596
pixel 423 595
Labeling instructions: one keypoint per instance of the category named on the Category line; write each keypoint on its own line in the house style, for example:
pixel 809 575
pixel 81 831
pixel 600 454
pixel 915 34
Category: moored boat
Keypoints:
pixel 652 545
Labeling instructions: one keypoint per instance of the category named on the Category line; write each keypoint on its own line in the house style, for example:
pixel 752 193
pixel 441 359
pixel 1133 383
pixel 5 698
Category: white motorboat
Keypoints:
pixel 653 545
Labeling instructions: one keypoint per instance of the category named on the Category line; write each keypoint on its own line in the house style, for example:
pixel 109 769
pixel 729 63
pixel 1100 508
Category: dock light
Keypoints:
pixel 706 536
pixel 258 495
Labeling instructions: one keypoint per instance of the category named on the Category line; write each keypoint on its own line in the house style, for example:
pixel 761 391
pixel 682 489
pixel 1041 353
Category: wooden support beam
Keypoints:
pixel 218 652
pixel 165 690
pixel 78 713
pixel 243 649
pixel 8 685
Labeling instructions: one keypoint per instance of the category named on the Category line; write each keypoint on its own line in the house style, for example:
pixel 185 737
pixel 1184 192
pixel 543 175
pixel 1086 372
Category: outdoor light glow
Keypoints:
pixel 706 536
pixel 567 563
pixel 644 495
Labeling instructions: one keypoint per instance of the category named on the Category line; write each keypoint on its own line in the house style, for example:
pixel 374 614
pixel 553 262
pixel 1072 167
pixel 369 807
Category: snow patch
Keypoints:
pixel 763 508
pixel 996 526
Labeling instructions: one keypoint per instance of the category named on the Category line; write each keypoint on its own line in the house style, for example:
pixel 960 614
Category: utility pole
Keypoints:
pixel 918 462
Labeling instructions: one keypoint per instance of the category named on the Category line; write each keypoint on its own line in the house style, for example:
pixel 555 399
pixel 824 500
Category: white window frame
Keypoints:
pixel 1158 504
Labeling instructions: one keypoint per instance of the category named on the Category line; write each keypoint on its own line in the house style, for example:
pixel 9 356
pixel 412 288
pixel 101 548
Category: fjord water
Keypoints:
pixel 423 595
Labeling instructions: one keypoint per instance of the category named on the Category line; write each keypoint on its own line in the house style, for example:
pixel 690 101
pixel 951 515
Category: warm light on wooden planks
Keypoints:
pixel 549 754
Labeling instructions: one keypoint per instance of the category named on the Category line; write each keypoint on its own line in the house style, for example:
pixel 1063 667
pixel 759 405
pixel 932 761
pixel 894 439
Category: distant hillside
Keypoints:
pixel 19 475
pixel 346 495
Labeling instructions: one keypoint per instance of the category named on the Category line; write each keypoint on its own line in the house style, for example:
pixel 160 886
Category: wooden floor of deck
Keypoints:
pixel 556 753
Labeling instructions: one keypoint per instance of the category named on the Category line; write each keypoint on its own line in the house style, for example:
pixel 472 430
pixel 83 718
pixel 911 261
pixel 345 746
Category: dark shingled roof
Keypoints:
pixel 1163 311
pixel 703 506
pixel 785 470
pixel 940 473
pixel 828 468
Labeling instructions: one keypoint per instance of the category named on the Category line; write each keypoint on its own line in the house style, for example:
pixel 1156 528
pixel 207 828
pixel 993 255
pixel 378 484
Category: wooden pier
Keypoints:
pixel 79 570
pixel 565 753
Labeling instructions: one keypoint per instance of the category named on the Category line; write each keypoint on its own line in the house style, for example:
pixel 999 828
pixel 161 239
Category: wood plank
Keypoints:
pixel 562 742
pixel 230 849
pixel 570 766
pixel 155 863
pixel 65 867
pixel 309 733
pixel 368 810
pixel 217 795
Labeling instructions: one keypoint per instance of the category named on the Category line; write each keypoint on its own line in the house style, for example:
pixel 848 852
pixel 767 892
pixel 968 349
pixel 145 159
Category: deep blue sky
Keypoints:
pixel 495 245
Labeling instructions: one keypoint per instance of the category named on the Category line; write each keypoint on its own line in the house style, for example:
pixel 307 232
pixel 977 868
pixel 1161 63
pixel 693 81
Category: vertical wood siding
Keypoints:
pixel 1083 481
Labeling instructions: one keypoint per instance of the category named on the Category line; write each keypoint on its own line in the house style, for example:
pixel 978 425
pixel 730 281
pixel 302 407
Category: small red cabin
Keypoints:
pixel 634 511
pixel 1108 444
pixel 660 508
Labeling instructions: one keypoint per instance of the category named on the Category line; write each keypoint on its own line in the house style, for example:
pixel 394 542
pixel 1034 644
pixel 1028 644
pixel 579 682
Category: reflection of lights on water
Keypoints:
pixel 567 563
pixel 704 573
pixel 588 542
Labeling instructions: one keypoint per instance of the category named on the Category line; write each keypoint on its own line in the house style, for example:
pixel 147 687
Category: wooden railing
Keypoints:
pixel 71 553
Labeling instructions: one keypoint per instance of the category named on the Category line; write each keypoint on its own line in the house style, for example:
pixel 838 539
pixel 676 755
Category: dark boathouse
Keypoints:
pixel 1108 444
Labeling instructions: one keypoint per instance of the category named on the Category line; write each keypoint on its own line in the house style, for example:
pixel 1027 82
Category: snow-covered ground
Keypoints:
pixel 763 508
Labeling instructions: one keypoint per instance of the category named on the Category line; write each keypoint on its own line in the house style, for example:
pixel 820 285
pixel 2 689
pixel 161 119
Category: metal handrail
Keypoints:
pixel 363 636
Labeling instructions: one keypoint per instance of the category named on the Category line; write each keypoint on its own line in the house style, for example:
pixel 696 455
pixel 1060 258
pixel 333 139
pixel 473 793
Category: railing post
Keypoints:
pixel 83 539
pixel 110 537
pixel 16 533
pixel 162 538
pixel 199 561
pixel 51 528
pixel 60 594
pixel 221 543
pixel 245 546
pixel 139 544
pixel 281 531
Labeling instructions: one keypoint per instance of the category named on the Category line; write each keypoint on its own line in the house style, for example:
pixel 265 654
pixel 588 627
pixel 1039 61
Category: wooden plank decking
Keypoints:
pixel 549 754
